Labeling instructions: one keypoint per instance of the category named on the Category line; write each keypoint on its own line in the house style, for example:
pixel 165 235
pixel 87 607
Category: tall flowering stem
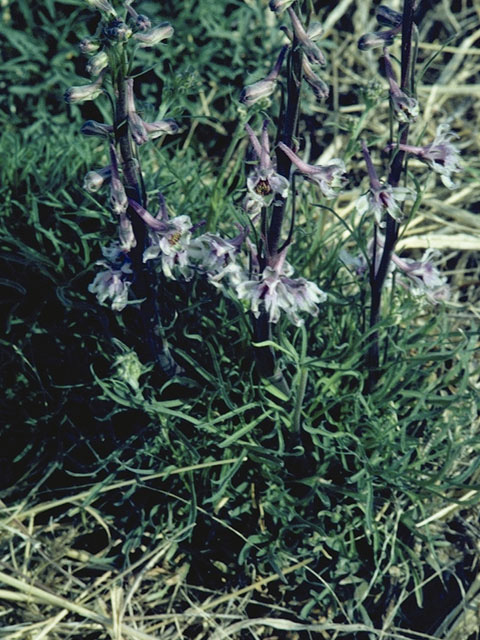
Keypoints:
pixel 114 48
pixel 379 273
pixel 287 130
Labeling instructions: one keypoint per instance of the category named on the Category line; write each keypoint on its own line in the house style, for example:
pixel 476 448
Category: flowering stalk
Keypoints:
pixel 123 259
pixel 272 231
pixel 377 276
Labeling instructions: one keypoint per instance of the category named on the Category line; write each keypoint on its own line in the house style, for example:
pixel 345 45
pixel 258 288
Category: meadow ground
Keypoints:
pixel 211 505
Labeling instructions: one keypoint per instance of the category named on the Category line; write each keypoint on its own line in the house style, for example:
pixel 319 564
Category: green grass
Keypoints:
pixel 210 505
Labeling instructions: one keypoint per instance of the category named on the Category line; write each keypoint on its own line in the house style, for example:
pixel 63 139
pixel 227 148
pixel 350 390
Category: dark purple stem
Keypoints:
pixel 377 276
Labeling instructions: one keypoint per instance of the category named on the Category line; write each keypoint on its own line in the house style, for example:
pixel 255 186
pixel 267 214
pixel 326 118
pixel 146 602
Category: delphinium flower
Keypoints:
pixel 263 88
pixel 210 253
pixel 274 291
pixel 114 281
pixel 313 53
pixel 423 277
pixel 168 239
pixel 405 108
pixel 440 155
pixel 264 182
pixel 330 177
pixel 381 198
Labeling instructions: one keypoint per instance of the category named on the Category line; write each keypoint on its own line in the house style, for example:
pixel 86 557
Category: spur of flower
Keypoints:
pixel 113 282
pixel 274 291
pixel 440 155
pixel 168 239
pixel 330 178
pixel 264 182
pixel 381 198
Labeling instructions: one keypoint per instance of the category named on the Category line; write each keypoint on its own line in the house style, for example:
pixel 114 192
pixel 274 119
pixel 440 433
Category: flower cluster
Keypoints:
pixel 274 291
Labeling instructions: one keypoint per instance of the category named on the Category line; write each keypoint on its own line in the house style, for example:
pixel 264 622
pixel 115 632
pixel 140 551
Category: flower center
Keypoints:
pixel 174 238
pixel 263 188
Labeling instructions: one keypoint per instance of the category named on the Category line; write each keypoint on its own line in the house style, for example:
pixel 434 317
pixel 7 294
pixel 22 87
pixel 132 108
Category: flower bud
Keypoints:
pixel 279 6
pixel 125 233
pixel 263 88
pixel 318 86
pixel 155 35
pixel 102 5
pixel 84 92
pixel 88 46
pixel 310 49
pixel 375 39
pixel 257 91
pixel 388 17
pixel 94 128
pixel 161 127
pixel 404 107
pixel 94 180
pixel 118 196
pixel 117 30
pixel 143 23
pixel 97 63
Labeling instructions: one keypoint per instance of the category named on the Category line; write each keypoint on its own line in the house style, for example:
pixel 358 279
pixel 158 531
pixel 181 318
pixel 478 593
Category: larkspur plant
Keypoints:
pixel 256 272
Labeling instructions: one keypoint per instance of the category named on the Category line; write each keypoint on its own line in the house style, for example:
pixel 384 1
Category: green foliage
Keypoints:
pixel 246 480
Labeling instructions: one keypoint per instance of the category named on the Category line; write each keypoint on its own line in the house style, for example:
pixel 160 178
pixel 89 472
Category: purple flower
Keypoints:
pixel 275 291
pixel 440 155
pixel 113 282
pixel 126 234
pixel 381 198
pixel 264 182
pixel 329 178
pixel 168 240
pixel 423 276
